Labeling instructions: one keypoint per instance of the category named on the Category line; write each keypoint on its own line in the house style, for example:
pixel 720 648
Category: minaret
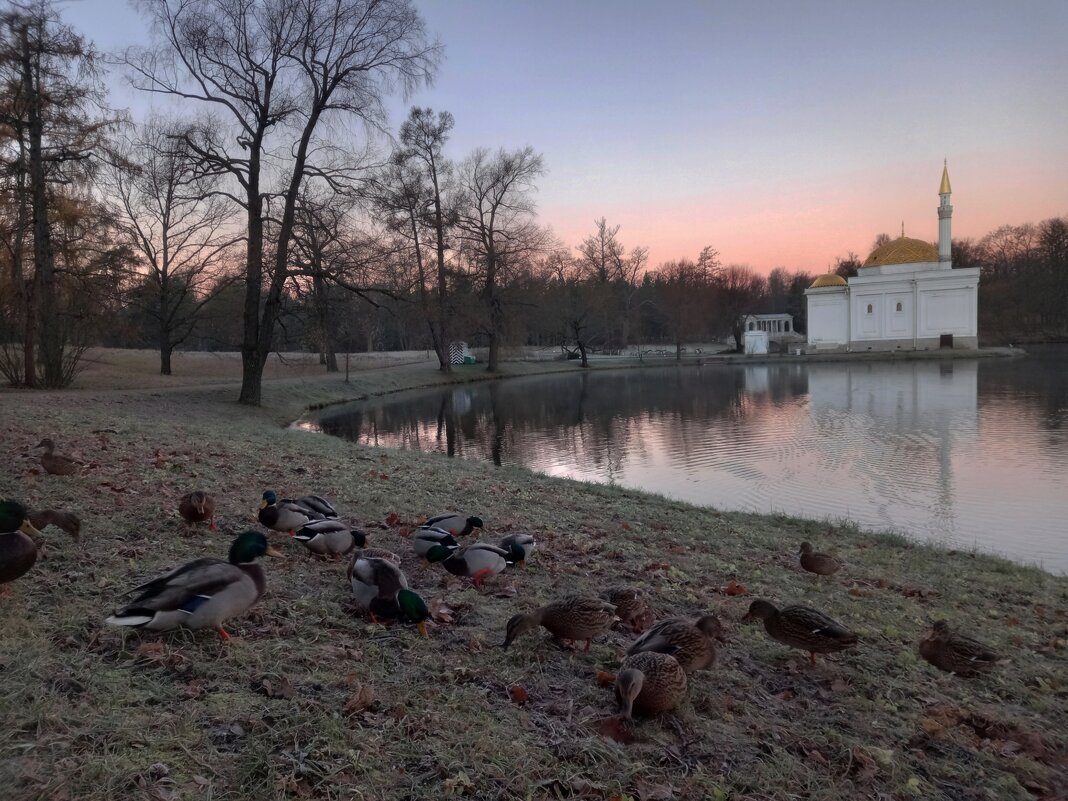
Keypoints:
pixel 945 220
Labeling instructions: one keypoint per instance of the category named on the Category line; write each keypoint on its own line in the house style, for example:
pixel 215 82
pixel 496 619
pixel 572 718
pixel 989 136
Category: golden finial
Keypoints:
pixel 944 188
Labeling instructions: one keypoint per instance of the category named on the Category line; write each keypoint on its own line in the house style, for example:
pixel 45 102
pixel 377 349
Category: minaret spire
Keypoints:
pixel 945 220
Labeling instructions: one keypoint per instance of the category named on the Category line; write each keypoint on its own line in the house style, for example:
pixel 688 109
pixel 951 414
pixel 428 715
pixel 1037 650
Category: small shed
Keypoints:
pixel 756 342
pixel 459 353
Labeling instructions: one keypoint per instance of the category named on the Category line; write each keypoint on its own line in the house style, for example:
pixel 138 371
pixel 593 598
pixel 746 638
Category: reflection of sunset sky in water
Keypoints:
pixel 965 453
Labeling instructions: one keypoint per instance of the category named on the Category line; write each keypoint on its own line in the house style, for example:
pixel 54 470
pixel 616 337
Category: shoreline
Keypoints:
pixel 102 708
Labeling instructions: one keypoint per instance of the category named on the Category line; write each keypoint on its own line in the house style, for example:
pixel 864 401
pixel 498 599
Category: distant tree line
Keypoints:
pixel 267 217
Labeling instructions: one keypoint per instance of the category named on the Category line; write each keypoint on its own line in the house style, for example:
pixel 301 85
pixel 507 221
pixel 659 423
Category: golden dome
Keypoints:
pixel 830 279
pixel 903 250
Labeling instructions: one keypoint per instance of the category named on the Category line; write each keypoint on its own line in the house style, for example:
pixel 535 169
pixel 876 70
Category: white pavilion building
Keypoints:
pixel 906 296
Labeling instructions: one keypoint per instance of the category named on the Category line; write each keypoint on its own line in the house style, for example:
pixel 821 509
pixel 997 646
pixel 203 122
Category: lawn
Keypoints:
pixel 310 700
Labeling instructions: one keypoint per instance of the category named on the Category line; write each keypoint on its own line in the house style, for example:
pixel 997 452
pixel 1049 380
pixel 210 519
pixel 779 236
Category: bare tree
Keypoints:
pixel 737 289
pixel 684 294
pixel 178 225
pixel 277 74
pixel 53 108
pixel 496 217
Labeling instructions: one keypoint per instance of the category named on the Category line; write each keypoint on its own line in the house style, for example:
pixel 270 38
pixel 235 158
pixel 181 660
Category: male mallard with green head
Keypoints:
pixel 801 627
pixel 649 683
pixel 286 515
pixel 519 543
pixel 330 538
pixel 457 524
pixel 18 552
pixel 381 588
pixel 955 653
pixel 204 593
pixel 576 617
pixel 689 641
pixel 424 539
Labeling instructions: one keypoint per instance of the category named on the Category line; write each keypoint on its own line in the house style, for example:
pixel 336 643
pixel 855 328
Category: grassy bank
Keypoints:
pixel 282 711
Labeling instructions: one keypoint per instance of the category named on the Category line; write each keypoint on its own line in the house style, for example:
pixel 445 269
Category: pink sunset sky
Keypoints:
pixel 782 134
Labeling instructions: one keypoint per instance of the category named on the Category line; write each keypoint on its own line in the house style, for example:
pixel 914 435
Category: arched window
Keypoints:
pixel 869 309
pixel 898 306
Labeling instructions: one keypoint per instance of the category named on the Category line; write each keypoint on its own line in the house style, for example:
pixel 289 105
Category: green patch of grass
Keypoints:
pixel 98 713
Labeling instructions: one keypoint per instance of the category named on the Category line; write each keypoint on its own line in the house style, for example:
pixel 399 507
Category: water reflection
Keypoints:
pixel 971 454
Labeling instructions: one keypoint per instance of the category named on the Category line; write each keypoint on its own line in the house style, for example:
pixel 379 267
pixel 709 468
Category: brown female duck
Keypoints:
pixel 802 627
pixel 821 564
pixel 576 617
pixel 67 521
pixel 649 683
pixel 955 653
pixel 54 463
pixel 631 607
pixel 197 507
pixel 689 641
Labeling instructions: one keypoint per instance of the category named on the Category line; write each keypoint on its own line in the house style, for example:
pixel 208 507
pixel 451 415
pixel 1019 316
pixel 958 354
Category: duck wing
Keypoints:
pixel 660 638
pixel 190 584
pixel 317 504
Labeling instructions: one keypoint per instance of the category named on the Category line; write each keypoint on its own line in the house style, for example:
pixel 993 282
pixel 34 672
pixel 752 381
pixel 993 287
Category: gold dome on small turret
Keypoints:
pixel 944 188
pixel 903 250
pixel 830 279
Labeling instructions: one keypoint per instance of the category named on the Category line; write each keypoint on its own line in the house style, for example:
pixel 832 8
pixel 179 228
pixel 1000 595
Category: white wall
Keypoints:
pixel 828 317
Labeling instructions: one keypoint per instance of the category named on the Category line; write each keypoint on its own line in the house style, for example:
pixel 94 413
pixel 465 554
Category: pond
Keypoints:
pixel 965 453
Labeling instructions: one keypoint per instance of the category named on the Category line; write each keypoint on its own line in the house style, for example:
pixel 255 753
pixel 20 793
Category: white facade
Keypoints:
pixel 756 342
pixel 774 324
pixel 907 296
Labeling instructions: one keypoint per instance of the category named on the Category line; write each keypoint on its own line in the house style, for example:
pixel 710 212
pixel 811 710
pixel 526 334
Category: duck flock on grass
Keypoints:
pixel 652 677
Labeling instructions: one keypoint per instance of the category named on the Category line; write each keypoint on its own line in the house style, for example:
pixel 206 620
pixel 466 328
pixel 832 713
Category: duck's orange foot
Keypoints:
pixel 224 635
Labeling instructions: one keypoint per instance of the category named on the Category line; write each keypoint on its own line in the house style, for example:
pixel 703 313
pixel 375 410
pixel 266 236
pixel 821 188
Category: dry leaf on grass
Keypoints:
pixel 647 791
pixel 518 694
pixel 605 679
pixel 278 688
pixel 361 697
pixel 441 612
pixel 734 588
pixel 392 519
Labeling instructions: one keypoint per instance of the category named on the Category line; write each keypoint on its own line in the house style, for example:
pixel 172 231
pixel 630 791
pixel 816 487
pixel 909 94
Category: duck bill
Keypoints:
pixel 424 562
pixel 422 628
pixel 263 504
pixel 28 528
pixel 272 551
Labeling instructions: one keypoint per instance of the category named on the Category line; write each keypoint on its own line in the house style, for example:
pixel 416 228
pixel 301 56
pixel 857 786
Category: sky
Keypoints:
pixel 782 134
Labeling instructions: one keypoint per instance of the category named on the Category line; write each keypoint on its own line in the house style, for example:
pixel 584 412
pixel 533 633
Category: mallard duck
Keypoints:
pixel 285 514
pixel 67 521
pixel 689 641
pixel 801 627
pixel 455 523
pixel 649 683
pixel 631 607
pixel 821 564
pixel 318 504
pixel 197 507
pixel 476 561
pixel 54 463
pixel 576 617
pixel 381 588
pixel 519 542
pixel 204 593
pixel 378 553
pixel 18 552
pixel 424 538
pixel 330 537
pixel 955 653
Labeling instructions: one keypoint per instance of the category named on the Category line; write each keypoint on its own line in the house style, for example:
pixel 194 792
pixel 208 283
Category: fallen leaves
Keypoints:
pixel 734 588
pixel 441 612
pixel 518 693
pixel 278 688
pixel 605 679
pixel 393 520
pixel 614 728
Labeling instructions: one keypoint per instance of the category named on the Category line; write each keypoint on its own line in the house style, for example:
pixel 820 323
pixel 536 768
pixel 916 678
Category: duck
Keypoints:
pixel 67 521
pixel 631 607
pixel 204 593
pixel 689 641
pixel 54 463
pixel 802 627
pixel 285 515
pixel 476 561
pixel 317 504
pixel 381 588
pixel 18 552
pixel 648 683
pixel 519 542
pixel 330 538
pixel 575 617
pixel 455 523
pixel 426 538
pixel 955 653
pixel 821 564
pixel 378 553
pixel 197 507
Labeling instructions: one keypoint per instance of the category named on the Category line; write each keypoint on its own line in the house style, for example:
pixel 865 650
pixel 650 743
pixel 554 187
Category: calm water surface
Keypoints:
pixel 967 453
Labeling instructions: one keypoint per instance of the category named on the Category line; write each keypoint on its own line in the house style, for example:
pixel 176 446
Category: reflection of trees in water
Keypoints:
pixel 599 421
pixel 1037 383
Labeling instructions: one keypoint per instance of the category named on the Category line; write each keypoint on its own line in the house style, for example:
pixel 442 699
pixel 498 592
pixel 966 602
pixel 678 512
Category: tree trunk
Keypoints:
pixel 582 350
pixel 51 337
pixel 251 365
pixel 438 332
pixel 165 350
pixel 678 351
